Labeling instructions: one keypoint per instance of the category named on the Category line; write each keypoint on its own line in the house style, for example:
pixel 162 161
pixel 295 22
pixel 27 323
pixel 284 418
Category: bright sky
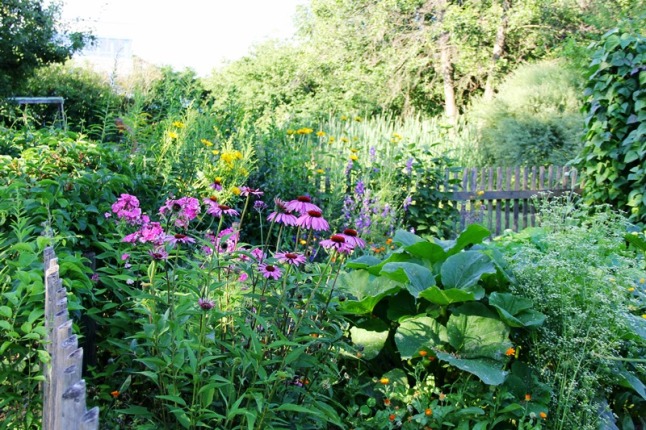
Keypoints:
pixel 190 33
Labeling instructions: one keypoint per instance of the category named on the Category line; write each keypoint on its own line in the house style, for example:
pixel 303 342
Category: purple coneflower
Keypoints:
pixel 302 204
pixel 219 210
pixel 282 215
pixel 269 271
pixel 217 184
pixel 159 253
pixel 337 242
pixel 352 238
pixel 314 220
pixel 290 258
pixel 179 238
pixel 206 304
pixel 246 191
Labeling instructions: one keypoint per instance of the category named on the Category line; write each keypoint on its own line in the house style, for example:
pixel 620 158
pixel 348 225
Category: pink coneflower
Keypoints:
pixel 302 204
pixel 269 271
pixel 159 253
pixel 217 184
pixel 290 258
pixel 352 238
pixel 179 238
pixel 314 220
pixel 337 242
pixel 246 191
pixel 206 304
pixel 282 215
pixel 219 210
pixel 258 254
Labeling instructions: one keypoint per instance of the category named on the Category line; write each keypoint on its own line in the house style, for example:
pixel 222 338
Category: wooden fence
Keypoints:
pixel 64 405
pixel 502 198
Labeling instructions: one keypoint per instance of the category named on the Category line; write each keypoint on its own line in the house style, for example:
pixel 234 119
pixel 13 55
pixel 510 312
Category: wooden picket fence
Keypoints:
pixel 503 198
pixel 64 405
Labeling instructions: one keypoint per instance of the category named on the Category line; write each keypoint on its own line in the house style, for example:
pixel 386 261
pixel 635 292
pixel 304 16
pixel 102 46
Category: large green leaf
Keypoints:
pixel 427 250
pixel 488 370
pixel 371 335
pixel 476 336
pixel 446 297
pixel 367 290
pixel 628 380
pixel 516 311
pixel 405 238
pixel 362 262
pixel 472 235
pixel 416 278
pixel 417 333
pixel 465 269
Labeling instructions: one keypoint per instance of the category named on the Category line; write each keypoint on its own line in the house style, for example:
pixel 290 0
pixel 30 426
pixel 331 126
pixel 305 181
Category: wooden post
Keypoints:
pixel 63 390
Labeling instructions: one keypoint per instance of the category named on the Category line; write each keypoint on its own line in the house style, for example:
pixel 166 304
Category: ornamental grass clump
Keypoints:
pixel 579 271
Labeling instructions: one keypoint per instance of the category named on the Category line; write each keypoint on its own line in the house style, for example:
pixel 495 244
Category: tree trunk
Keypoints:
pixel 498 50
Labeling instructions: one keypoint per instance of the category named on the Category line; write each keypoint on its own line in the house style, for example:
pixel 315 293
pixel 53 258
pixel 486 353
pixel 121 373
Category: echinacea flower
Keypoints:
pixel 217 184
pixel 352 238
pixel 247 191
pixel 337 242
pixel 302 204
pixel 206 304
pixel 269 271
pixel 174 239
pixel 219 210
pixel 290 258
pixel 158 253
pixel 313 219
pixel 281 214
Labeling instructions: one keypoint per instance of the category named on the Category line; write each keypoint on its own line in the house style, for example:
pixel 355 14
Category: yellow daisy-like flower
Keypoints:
pixel 215 152
pixel 320 171
pixel 358 119
pixel 344 118
pixel 644 316
pixel 235 190
pixel 345 140
pixel 178 124
pixel 354 150
pixel 290 132
pixel 480 193
pixel 384 381
pixel 243 171
pixel 320 133
pixel 354 157
pixel 332 139
pixel 642 280
pixel 206 142
pixel 304 130
pixel 631 289
pixel 173 135
pixel 230 156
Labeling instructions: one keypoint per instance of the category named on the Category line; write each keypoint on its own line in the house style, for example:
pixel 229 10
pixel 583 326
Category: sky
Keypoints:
pixel 200 34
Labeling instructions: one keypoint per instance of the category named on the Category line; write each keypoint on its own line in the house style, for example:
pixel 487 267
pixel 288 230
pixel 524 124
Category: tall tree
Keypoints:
pixel 30 37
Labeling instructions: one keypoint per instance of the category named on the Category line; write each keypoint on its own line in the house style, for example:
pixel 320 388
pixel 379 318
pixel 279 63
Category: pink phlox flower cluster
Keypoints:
pixel 281 214
pixel 184 209
pixel 225 241
pixel 302 204
pixel 150 232
pixel 127 207
pixel 313 220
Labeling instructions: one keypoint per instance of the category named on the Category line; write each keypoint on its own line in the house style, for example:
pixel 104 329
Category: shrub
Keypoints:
pixel 534 119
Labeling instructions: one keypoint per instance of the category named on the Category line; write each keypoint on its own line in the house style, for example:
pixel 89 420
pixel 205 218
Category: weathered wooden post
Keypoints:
pixel 64 405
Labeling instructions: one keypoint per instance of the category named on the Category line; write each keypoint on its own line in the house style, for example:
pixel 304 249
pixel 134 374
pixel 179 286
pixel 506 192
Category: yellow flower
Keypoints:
pixel 358 119
pixel 644 316
pixel 480 193
pixel 510 351
pixel 528 397
pixel 428 412
pixel 243 171
pixel 173 135
pixel 303 242
pixel 320 171
pixel 345 140
pixel 384 381
pixel 332 139
pixel 206 142
pixel 344 118
pixel 354 157
pixel 354 150
pixel 230 156
pixel 304 130
pixel 423 353
pixel 235 190
pixel 642 280
pixel 320 133
pixel 178 124
pixel 290 132
pixel 543 415
pixel 631 289
pixel 215 152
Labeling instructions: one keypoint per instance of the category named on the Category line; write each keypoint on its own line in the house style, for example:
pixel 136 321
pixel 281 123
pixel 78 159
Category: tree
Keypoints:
pixel 31 37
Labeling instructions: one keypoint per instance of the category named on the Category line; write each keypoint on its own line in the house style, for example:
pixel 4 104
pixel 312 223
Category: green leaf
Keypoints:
pixel 447 297
pixel 371 335
pixel 368 290
pixel 476 336
pixel 515 311
pixel 135 410
pixel 417 333
pixel 628 380
pixel 5 311
pixel 427 250
pixel 489 371
pixel 416 278
pixel 472 235
pixel 406 239
pixel 175 399
pixel 363 262
pixel 465 269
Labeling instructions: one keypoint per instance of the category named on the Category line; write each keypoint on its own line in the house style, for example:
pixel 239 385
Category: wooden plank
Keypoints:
pixel 38 100
pixel 507 203
pixel 515 201
pixel 490 201
pixel 525 202
pixel 499 202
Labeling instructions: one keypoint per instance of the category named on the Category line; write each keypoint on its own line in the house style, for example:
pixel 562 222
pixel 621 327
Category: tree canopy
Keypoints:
pixel 30 37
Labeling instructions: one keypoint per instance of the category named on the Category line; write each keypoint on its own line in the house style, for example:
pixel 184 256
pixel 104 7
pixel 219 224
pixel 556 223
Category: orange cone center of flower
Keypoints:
pixel 337 238
pixel 304 199
pixel 315 214
pixel 350 232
